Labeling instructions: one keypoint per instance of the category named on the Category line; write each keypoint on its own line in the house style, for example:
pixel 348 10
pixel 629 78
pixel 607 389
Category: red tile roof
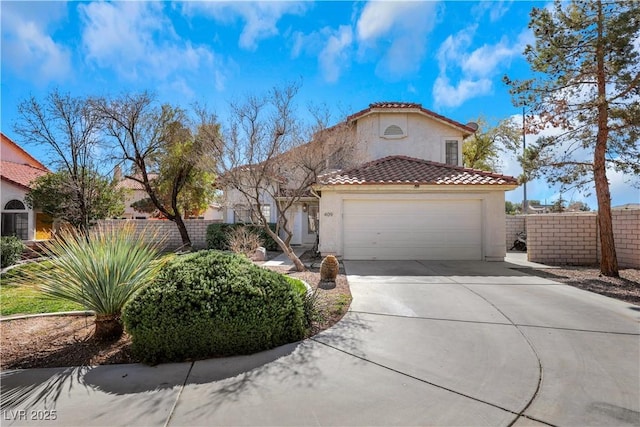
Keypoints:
pixel 407 170
pixel 376 106
pixel 20 174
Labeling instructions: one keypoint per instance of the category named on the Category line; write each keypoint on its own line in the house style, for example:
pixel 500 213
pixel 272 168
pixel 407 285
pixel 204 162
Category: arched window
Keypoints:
pixel 393 131
pixel 14 205
pixel 15 223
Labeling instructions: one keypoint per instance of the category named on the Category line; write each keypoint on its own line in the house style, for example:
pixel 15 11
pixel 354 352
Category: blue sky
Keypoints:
pixel 448 56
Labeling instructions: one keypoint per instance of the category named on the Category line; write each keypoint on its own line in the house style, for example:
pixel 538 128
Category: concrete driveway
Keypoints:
pixel 424 343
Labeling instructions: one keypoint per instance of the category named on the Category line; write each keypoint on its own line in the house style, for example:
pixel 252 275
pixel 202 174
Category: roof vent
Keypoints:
pixel 393 130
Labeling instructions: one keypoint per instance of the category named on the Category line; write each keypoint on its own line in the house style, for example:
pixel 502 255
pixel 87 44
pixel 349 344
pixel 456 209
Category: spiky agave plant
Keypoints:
pixel 101 270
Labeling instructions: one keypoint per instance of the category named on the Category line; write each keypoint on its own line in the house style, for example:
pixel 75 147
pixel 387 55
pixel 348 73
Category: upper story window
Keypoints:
pixel 451 152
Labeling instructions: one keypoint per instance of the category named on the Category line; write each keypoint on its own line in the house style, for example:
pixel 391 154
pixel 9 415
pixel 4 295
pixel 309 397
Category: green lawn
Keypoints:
pixel 26 298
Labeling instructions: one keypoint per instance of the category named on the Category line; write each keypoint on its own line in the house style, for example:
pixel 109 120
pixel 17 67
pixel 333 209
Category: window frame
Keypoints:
pixel 15 220
pixel 445 142
pixel 241 212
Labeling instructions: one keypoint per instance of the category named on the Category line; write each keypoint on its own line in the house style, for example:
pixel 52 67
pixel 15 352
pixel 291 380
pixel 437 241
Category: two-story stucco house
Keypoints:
pixel 18 170
pixel 409 197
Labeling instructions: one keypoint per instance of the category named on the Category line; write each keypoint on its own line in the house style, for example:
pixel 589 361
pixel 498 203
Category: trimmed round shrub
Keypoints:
pixel 211 303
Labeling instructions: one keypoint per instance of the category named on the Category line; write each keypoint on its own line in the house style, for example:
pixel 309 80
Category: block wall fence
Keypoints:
pixel 572 238
pixel 197 230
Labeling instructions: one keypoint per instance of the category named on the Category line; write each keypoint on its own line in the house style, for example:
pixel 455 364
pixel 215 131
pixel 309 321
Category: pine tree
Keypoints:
pixel 586 83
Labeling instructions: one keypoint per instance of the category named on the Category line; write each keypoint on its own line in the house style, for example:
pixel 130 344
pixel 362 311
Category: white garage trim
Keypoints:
pixel 392 228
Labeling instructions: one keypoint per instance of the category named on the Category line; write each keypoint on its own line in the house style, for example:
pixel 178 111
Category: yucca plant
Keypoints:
pixel 101 270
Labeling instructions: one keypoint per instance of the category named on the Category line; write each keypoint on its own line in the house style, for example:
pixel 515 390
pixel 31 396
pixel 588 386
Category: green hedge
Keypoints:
pixel 217 235
pixel 211 303
pixel 11 250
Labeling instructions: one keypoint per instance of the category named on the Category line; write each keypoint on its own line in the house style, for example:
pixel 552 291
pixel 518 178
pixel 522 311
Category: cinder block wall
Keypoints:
pixel 573 239
pixel 197 230
pixel 514 224
pixel 569 239
pixel 626 233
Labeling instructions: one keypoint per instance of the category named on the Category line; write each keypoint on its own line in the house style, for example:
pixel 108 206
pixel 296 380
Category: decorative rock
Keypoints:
pixel 260 254
pixel 329 268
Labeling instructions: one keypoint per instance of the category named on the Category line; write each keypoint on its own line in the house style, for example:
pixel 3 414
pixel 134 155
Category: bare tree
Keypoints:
pixel 67 126
pixel 272 156
pixel 169 155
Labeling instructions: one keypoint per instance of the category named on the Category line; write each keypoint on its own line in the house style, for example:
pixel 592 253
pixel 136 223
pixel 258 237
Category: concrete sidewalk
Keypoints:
pixel 424 343
pixel 283 260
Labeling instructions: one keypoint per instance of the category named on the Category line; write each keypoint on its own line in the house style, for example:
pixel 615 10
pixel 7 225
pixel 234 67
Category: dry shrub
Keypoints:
pixel 243 240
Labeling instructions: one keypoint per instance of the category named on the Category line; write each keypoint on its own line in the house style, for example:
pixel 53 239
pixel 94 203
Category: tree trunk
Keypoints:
pixel 608 259
pixel 108 328
pixel 184 234
pixel 286 248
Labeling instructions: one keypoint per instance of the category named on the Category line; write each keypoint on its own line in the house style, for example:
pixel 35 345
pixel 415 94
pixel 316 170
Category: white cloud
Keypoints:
pixel 391 33
pixel 475 68
pixel 452 50
pixel 27 46
pixel 396 33
pixel 260 18
pixel 332 47
pixel 486 59
pixel 496 9
pixel 138 41
pixel 335 53
pixel 449 95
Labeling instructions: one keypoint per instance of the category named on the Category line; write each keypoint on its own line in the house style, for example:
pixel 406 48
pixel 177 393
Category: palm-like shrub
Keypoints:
pixel 101 270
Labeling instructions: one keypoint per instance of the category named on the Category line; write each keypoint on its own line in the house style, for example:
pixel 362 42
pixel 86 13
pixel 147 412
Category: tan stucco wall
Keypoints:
pixel 493 215
pixel 424 137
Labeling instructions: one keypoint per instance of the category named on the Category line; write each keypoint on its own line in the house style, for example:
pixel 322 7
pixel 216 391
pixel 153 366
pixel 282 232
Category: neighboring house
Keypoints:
pixel 19 169
pixel 134 191
pixel 409 198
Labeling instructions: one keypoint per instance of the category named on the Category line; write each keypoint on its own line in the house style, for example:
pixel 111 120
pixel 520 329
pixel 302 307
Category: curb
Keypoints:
pixel 61 313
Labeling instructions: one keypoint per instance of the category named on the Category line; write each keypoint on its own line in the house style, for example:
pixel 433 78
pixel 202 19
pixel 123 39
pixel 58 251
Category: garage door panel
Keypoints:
pixel 412 229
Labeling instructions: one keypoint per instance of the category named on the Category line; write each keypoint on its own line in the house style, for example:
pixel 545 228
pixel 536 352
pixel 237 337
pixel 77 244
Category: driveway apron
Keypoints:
pixel 550 353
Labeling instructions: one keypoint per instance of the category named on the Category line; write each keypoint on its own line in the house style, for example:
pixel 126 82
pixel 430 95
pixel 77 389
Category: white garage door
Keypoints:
pixel 412 229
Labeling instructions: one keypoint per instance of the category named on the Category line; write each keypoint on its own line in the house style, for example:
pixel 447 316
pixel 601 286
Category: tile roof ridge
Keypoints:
pixel 427 162
pixel 27 165
pixel 466 169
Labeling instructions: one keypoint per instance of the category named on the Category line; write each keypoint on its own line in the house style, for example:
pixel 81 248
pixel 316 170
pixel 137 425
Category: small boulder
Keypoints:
pixel 329 269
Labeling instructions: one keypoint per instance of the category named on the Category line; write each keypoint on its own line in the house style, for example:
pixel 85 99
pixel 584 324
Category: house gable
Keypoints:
pixel 406 129
pixel 12 152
